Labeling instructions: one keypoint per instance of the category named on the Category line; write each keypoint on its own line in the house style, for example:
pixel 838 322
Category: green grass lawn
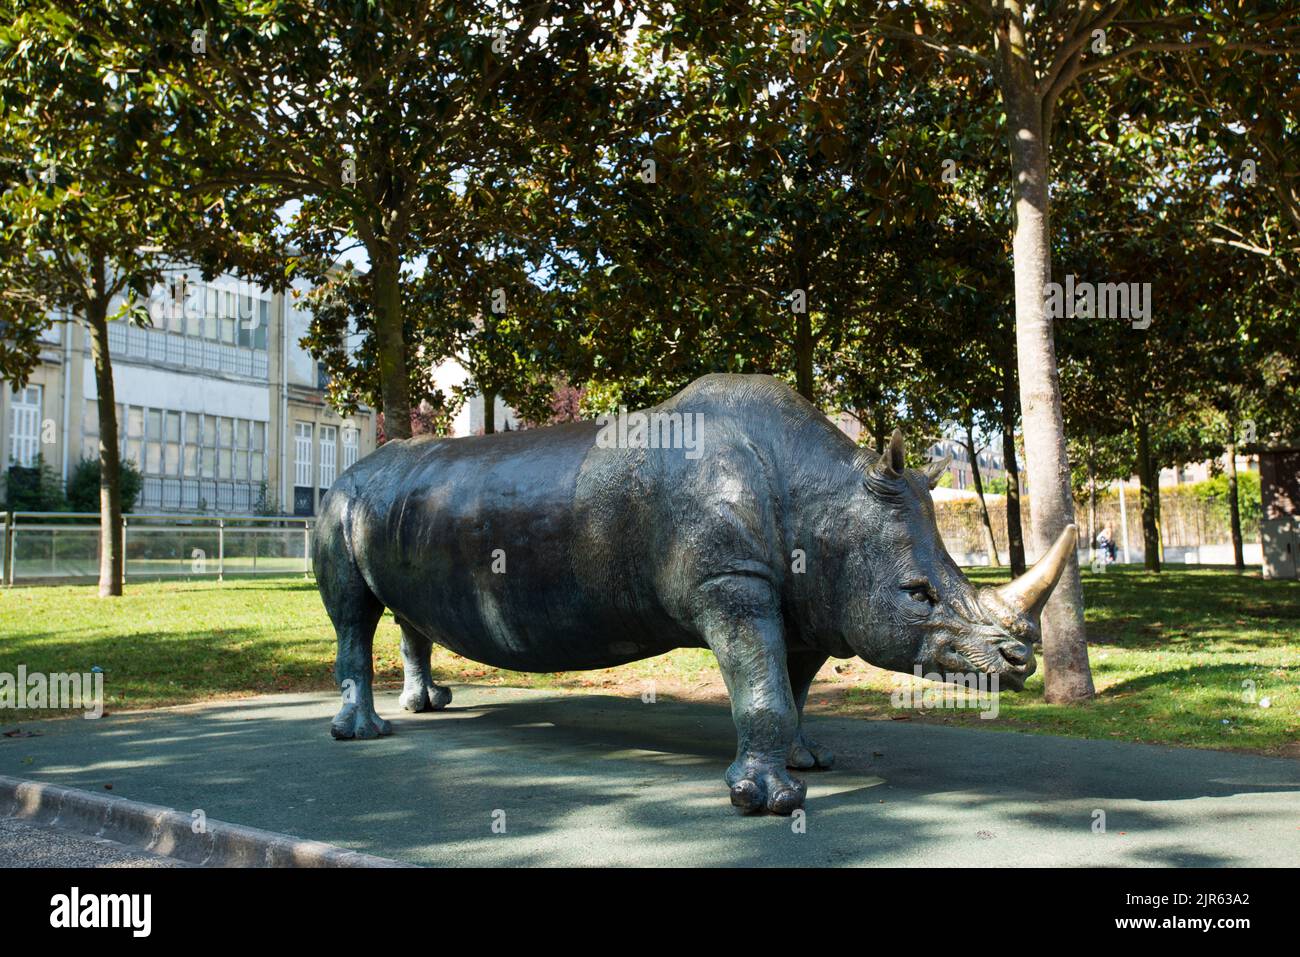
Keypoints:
pixel 1170 655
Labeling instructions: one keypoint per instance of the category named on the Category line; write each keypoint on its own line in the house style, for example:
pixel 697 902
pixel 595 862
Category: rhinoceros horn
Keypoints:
pixel 1029 593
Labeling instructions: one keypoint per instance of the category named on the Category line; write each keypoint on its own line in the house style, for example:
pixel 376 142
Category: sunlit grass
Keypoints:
pixel 1171 655
pixel 1199 657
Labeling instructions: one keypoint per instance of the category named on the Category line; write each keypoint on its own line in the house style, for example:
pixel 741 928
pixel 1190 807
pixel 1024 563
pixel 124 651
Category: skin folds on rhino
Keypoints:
pixel 774 541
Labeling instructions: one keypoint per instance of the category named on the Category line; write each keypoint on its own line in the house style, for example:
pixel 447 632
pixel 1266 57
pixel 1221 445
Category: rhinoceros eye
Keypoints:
pixel 921 591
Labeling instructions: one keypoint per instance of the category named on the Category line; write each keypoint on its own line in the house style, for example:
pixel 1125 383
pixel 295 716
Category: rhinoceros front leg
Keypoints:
pixel 805 753
pixel 419 693
pixel 739 619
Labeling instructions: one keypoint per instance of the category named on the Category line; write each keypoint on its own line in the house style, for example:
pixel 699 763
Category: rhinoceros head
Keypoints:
pixel 920 610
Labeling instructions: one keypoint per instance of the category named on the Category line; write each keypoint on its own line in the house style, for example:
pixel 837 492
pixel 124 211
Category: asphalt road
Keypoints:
pixel 515 777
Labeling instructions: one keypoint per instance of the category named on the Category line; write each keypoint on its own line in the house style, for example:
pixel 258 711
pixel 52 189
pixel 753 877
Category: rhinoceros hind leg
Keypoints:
pixel 419 692
pixel 355 612
pixel 432 698
pixel 805 753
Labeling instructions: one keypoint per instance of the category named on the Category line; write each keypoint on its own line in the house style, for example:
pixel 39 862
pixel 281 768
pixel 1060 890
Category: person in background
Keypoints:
pixel 1106 542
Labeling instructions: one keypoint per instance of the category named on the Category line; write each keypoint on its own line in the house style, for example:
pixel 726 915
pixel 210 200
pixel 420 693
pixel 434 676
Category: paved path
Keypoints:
pixel 580 779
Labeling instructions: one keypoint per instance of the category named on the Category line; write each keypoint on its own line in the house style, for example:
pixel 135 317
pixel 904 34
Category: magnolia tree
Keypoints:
pixel 74 244
pixel 1037 54
pixel 384 125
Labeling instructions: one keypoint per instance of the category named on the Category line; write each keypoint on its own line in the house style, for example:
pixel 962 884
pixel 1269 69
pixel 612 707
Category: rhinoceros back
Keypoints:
pixel 501 549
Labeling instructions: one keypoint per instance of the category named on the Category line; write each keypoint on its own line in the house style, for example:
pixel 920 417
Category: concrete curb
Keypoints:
pixel 167 832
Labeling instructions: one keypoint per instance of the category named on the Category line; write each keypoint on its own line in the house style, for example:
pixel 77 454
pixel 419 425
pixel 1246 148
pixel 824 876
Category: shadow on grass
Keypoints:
pixel 1185 607
pixel 1228 680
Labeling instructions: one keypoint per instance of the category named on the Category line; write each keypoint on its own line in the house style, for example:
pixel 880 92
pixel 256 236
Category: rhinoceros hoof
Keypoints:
pixel 755 788
pixel 428 698
pixel 806 755
pixel 357 722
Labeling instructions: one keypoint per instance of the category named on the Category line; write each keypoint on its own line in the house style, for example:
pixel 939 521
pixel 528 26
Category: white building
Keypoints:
pixel 990 463
pixel 218 405
pixel 468 420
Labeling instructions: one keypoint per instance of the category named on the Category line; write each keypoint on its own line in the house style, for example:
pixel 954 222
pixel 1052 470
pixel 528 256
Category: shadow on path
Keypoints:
pixel 579 779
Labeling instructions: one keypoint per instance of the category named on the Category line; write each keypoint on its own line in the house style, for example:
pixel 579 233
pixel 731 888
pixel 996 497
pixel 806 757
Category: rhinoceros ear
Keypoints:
pixel 894 459
pixel 934 471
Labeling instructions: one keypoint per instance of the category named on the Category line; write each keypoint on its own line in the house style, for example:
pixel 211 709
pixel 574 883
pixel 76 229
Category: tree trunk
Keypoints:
pixel 1092 504
pixel 111 558
pixel 489 411
pixel 878 429
pixel 1067 675
pixel 1234 505
pixel 803 355
pixel 1159 522
pixel 1015 537
pixel 1150 529
pixel 390 339
pixel 979 491
pixel 1123 518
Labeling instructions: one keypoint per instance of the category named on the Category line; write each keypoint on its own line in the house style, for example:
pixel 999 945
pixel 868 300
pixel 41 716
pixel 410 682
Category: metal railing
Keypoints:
pixel 64 546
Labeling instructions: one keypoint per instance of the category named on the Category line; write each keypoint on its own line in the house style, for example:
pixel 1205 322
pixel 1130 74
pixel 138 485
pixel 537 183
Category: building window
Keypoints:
pixel 171 438
pixel 176 450
pixel 328 455
pixel 210 314
pixel 25 426
pixel 225 439
pixel 302 454
pixel 201 327
pixel 257 459
pixel 254 316
pixel 90 430
pixel 207 446
pixel 134 449
pixel 241 449
pixel 153 442
pixel 351 446
pixel 178 291
pixel 193 425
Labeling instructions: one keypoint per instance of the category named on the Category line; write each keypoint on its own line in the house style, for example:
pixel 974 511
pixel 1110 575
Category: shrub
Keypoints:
pixel 266 502
pixel 1213 493
pixel 83 486
pixel 997 485
pixel 33 489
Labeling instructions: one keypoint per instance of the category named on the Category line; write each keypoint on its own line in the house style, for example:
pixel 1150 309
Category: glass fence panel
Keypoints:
pixel 153 551
pixel 264 551
pixel 70 551
pixel 50 549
